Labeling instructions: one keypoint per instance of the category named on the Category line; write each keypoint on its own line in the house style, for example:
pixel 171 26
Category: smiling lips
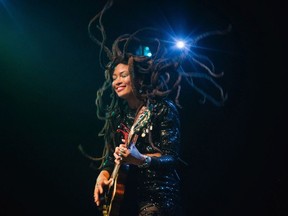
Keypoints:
pixel 120 88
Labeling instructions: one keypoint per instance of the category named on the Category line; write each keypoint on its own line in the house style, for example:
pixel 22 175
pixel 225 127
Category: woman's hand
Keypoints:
pixel 129 156
pixel 101 182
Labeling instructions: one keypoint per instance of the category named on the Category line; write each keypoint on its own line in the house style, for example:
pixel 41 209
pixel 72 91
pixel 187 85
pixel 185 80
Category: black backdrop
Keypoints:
pixel 49 77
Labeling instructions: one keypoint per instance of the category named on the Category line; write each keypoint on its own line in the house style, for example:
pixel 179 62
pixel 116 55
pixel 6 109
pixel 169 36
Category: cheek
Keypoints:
pixel 128 81
pixel 112 84
pixel 129 84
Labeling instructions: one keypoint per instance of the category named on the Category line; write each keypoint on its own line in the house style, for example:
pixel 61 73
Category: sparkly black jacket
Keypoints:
pixel 159 183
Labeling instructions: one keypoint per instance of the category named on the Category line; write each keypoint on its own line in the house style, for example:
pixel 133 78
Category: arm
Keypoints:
pixel 102 181
pixel 166 136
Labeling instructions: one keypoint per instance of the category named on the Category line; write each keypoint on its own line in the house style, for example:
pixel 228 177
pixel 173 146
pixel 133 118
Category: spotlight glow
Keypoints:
pixel 180 44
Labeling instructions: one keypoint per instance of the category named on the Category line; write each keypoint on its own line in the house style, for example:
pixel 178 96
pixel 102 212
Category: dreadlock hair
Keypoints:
pixel 150 78
pixel 153 76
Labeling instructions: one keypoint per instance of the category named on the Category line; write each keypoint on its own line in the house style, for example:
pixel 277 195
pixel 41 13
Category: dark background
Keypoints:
pixel 49 76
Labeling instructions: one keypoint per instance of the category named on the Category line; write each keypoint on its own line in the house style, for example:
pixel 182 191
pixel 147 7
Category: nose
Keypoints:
pixel 117 81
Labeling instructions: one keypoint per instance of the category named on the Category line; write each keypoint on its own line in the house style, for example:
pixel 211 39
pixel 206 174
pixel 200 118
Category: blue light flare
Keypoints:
pixel 180 44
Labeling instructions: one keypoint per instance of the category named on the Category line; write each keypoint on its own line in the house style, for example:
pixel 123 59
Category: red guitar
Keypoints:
pixel 115 192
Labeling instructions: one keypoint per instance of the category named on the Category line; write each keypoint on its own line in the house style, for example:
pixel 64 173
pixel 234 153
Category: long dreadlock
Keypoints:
pixel 160 73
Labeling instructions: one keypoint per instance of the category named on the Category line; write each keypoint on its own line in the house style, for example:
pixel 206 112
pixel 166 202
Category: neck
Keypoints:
pixel 135 103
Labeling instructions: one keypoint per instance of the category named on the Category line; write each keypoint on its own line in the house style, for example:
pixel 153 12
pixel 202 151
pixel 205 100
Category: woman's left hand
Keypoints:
pixel 128 156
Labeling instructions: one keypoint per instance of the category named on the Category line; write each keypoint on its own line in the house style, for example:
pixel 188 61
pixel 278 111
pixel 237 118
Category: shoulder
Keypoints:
pixel 165 107
pixel 171 106
pixel 166 104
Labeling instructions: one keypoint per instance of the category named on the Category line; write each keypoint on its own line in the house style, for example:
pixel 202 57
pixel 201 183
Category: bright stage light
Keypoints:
pixel 180 44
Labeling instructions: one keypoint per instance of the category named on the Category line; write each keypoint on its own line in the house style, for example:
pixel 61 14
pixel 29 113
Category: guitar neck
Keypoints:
pixel 131 139
pixel 117 165
pixel 116 188
pixel 115 171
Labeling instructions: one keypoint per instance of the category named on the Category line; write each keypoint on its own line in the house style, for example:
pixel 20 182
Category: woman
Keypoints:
pixel 142 129
pixel 152 182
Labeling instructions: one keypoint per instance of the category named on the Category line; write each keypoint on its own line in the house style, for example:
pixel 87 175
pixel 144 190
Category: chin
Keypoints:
pixel 123 96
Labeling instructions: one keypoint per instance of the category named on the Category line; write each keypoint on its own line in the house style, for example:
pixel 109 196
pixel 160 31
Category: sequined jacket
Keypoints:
pixel 159 183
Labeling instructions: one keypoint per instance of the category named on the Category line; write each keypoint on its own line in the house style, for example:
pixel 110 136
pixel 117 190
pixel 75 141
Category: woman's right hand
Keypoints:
pixel 101 182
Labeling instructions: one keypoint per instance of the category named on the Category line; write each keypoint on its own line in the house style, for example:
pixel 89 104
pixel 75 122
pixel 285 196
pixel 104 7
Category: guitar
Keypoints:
pixel 115 192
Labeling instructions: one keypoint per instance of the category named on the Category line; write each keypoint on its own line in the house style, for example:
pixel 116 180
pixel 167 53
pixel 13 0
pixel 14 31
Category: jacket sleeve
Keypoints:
pixel 167 135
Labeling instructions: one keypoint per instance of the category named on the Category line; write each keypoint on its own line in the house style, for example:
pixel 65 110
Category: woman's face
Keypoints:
pixel 122 82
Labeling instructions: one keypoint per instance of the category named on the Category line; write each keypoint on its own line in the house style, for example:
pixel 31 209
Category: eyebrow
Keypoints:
pixel 121 72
